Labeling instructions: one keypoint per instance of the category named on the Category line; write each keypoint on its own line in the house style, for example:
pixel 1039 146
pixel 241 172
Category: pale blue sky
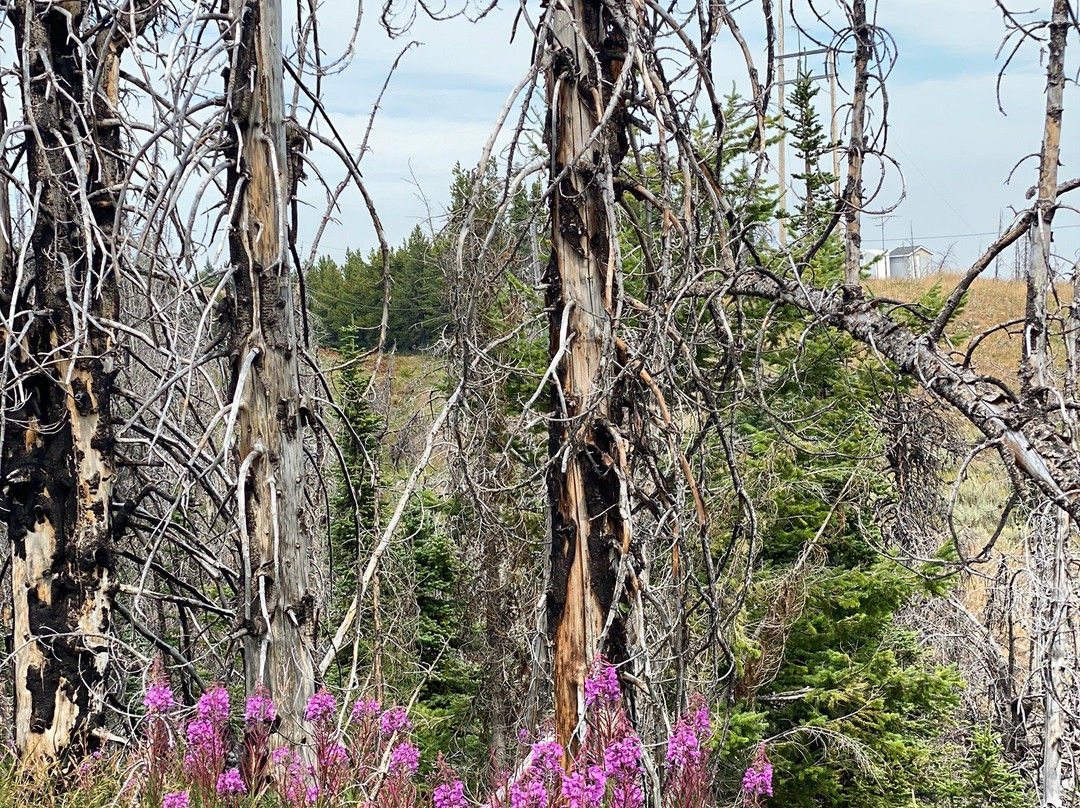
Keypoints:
pixel 954 147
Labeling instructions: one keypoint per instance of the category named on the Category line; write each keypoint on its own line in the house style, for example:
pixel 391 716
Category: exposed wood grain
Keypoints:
pixel 589 520
pixel 279 645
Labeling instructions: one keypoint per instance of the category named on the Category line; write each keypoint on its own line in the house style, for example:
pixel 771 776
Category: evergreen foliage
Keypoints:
pixel 853 708
pixel 854 711
pixel 347 299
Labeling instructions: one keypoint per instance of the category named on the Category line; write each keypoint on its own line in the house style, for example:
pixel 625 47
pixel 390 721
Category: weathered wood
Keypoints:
pixel 279 607
pixel 853 189
pixel 58 467
pixel 1029 441
pixel 1036 375
pixel 1035 368
pixel 590 524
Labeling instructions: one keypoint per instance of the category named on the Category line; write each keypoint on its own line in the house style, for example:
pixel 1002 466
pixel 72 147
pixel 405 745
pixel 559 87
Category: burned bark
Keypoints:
pixel 590 523
pixel 279 601
pixel 58 458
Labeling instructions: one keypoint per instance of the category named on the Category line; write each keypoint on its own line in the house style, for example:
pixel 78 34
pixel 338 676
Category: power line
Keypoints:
pixel 909 239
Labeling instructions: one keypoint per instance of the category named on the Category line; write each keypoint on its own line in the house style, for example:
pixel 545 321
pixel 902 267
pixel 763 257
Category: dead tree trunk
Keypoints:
pixel 590 524
pixel 1035 376
pixel 274 533
pixel 853 189
pixel 1036 360
pixel 57 438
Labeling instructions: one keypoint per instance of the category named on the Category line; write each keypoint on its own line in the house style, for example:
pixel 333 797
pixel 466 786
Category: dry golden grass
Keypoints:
pixel 989 303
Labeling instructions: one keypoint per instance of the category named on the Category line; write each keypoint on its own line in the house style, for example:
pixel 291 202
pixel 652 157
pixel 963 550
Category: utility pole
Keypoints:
pixel 780 81
pixel 834 129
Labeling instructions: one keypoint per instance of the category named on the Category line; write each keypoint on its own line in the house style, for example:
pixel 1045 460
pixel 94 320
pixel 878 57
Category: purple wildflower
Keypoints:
pixel 213 705
pixel 627 794
pixel 159 699
pixel 700 721
pixel 547 755
pixel 176 800
pixel 201 734
pixel 365 709
pixel 260 707
pixel 528 793
pixel 684 747
pixel 622 758
pixel 584 789
pixel 405 758
pixel 756 783
pixel 320 706
pixel 280 756
pixel 394 720
pixel 230 782
pixel 450 795
pixel 334 755
pixel 602 685
pixel 758 778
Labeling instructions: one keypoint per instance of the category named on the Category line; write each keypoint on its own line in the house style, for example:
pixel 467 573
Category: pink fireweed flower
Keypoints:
pixel 178 799
pixel 159 699
pixel 394 720
pixel 405 758
pixel 547 755
pixel 321 706
pixel 684 746
pixel 260 708
pixel 201 734
pixel 213 705
pixel 334 755
pixel 602 684
pixel 230 782
pixel 528 793
pixel 757 781
pixel 622 758
pixel 280 756
pixel 584 789
pixel 627 795
pixel 364 708
pixel 290 779
pixel 450 795
pixel 699 718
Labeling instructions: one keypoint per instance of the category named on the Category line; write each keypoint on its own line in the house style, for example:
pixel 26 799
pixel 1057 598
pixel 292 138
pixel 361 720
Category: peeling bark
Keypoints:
pixel 279 602
pixel 590 524
pixel 1035 370
pixel 58 445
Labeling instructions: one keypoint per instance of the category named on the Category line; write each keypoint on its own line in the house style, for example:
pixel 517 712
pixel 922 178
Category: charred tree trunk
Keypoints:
pixel 590 524
pixel 279 603
pixel 57 442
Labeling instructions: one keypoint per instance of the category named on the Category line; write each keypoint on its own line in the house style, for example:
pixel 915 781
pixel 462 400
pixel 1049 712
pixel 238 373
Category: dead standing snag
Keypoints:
pixel 590 522
pixel 58 445
pixel 278 602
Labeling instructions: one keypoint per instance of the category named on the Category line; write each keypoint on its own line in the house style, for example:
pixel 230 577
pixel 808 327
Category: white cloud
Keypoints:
pixel 953 145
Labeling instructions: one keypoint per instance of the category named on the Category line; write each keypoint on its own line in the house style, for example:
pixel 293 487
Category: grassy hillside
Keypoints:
pixel 990 303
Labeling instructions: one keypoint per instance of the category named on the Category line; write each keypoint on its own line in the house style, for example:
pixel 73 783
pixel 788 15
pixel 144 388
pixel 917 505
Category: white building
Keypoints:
pixel 909 261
